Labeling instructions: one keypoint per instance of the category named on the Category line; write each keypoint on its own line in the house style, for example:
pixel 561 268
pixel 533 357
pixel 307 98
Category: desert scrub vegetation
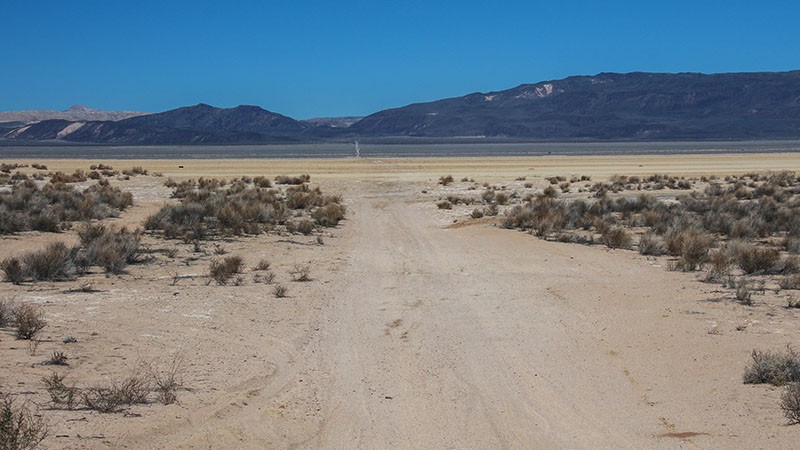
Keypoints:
pixel 106 247
pixel 47 208
pixel 778 369
pixel 746 226
pixel 224 270
pixel 147 384
pixel 775 368
pixel 210 208
pixel 21 428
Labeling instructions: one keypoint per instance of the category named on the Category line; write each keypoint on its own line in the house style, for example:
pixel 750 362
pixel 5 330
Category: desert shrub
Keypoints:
pixel 446 179
pixel 61 395
pixel 476 213
pixel 28 320
pixel 135 170
pixel 284 179
pixel 28 207
pixel 691 246
pixel 280 291
pixel 168 380
pixel 110 249
pixel 223 270
pixel 57 359
pixel 12 270
pixel 790 403
pixel 752 259
pixel 301 273
pixel 773 368
pixel 651 244
pixel 743 292
pixel 262 265
pixel 20 429
pixel 444 204
pixel 55 262
pixel 329 215
pixel 790 282
pixel 6 313
pixel 303 226
pixel 262 182
pixel 720 264
pixel 616 237
pixel 501 198
pixel 207 209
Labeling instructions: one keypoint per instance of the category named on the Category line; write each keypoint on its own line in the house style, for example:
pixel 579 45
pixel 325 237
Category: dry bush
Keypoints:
pixel 790 403
pixel 476 213
pixel 110 249
pixel 329 215
pixel 57 359
pixel 110 399
pixel 790 282
pixel 616 237
pixel 284 179
pixel 28 207
pixel 262 182
pixel 303 226
pixel 262 265
pixel 752 259
pixel 28 320
pixel 744 292
pixel 444 204
pixel 208 209
pixel 301 273
pixel 446 179
pixel 61 395
pixel 774 368
pixel 56 262
pixel 280 291
pixel 167 381
pixel 13 271
pixel 223 270
pixel 20 428
pixel 691 246
pixel 501 198
pixel 135 170
pixel 651 244
pixel 6 313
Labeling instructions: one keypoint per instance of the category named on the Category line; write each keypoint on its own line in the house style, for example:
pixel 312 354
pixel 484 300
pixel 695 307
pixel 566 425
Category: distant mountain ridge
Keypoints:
pixel 606 106
pixel 611 106
pixel 73 113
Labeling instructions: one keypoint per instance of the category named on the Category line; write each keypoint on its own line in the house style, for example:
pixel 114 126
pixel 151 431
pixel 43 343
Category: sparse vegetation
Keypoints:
pixel 301 273
pixel 280 291
pixel 211 207
pixel 222 271
pixel 776 369
pixel 28 320
pixel 20 428
pixel 790 403
pixel 28 207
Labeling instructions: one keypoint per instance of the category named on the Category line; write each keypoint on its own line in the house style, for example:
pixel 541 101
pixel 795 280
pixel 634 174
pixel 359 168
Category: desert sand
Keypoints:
pixel 413 333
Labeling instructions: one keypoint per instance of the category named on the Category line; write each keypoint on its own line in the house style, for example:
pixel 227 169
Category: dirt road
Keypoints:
pixel 480 338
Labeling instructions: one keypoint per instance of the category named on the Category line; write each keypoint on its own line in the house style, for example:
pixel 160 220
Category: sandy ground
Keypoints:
pixel 413 333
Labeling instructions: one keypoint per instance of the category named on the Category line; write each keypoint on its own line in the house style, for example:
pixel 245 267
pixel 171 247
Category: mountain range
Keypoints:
pixel 606 106
pixel 73 113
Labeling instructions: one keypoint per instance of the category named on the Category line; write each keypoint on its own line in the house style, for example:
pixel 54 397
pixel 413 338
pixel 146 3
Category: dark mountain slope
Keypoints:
pixel 200 124
pixel 611 106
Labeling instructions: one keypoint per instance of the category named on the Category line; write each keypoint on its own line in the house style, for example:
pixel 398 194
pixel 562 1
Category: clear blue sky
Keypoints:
pixel 328 58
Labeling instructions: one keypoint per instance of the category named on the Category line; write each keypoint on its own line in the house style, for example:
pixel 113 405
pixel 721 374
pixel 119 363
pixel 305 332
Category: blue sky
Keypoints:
pixel 316 58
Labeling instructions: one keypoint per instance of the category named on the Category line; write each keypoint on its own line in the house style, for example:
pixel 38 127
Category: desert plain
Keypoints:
pixel 419 328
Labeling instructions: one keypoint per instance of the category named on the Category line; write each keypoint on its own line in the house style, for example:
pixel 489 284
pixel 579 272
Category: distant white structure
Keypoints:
pixel 357 149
